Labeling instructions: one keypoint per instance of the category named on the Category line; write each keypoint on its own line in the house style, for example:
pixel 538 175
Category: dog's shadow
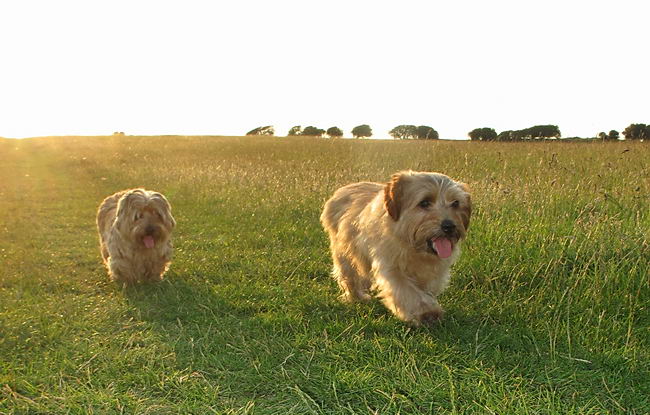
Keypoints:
pixel 174 300
pixel 178 301
pixel 209 327
pixel 205 300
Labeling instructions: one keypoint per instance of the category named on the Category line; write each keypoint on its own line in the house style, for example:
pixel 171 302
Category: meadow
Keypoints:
pixel 547 310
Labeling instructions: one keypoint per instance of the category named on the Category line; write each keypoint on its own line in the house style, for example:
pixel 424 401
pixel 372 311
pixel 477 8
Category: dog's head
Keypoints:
pixel 429 210
pixel 145 218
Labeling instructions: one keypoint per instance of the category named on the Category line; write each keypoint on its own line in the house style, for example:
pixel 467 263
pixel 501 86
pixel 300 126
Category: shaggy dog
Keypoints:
pixel 135 235
pixel 399 238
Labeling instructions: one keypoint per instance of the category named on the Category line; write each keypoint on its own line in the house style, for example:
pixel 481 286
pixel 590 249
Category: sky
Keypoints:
pixel 225 67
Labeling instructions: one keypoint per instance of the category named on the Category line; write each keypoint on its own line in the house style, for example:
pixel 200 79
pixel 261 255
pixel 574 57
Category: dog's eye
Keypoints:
pixel 455 204
pixel 425 204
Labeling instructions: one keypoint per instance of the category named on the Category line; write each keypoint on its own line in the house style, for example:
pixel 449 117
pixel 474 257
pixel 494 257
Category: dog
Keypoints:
pixel 135 229
pixel 399 239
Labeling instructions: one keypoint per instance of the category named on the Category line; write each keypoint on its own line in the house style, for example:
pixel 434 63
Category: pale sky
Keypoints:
pixel 224 67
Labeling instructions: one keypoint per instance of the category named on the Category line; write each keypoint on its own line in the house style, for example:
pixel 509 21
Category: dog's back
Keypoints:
pixel 348 201
pixel 105 218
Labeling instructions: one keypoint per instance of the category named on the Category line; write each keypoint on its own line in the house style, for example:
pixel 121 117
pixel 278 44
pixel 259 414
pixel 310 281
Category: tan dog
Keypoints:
pixel 135 235
pixel 399 238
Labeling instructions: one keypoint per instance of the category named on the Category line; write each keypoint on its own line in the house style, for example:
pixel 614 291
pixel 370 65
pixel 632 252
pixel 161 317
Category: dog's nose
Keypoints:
pixel 149 230
pixel 448 226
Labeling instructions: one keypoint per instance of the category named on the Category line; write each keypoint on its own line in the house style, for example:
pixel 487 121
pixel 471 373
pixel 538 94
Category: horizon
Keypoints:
pixel 155 68
pixel 278 134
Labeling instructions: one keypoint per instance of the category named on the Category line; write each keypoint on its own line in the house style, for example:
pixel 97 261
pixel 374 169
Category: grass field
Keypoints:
pixel 547 311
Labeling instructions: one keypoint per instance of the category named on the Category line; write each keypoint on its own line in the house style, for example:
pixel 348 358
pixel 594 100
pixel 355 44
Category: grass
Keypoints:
pixel 547 311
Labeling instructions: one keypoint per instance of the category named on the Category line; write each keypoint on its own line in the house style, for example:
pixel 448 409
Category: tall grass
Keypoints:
pixel 547 311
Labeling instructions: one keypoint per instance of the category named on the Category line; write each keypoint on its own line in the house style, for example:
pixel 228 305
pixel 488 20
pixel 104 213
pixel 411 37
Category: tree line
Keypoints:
pixel 360 131
pixel 424 132
pixel 637 132
pixel 536 132
pixel 545 132
pixel 411 132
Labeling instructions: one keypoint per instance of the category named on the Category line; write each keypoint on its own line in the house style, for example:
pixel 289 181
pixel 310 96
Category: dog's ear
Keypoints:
pixel 466 211
pixel 124 204
pixel 393 195
pixel 171 219
pixel 165 209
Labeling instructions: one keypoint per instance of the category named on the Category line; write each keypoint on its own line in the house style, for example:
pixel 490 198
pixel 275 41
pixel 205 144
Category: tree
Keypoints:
pixel 266 130
pixel 313 131
pixel 424 132
pixel 334 132
pixel 636 132
pixel 403 132
pixel 362 131
pixel 483 134
pixel 548 131
pixel 295 130
pixel 612 136
pixel 507 135
pixel 536 132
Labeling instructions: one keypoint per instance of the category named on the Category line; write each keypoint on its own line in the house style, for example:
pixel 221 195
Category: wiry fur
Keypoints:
pixel 379 240
pixel 123 221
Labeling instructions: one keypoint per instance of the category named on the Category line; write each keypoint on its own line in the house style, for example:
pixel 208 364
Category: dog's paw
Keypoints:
pixel 431 317
pixel 364 297
pixel 155 278
pixel 348 297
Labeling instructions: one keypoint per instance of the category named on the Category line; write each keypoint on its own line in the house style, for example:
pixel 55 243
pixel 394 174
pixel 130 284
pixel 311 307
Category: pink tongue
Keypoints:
pixel 443 247
pixel 148 241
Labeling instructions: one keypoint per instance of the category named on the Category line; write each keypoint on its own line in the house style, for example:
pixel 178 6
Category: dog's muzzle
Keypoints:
pixel 430 247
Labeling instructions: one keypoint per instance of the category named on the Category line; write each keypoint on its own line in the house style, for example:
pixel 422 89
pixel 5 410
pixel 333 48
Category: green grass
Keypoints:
pixel 547 311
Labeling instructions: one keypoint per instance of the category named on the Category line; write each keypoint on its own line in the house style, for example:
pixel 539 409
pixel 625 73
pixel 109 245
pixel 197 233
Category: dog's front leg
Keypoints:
pixel 405 299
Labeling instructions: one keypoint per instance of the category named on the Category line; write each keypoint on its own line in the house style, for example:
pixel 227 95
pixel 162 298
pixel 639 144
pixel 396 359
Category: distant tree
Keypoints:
pixel 403 132
pixel 508 135
pixel 636 132
pixel 334 132
pixel 549 131
pixel 537 132
pixel 295 130
pixel 613 135
pixel 361 131
pixel 502 136
pixel 483 134
pixel 602 136
pixel 266 130
pixel 424 132
pixel 313 131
